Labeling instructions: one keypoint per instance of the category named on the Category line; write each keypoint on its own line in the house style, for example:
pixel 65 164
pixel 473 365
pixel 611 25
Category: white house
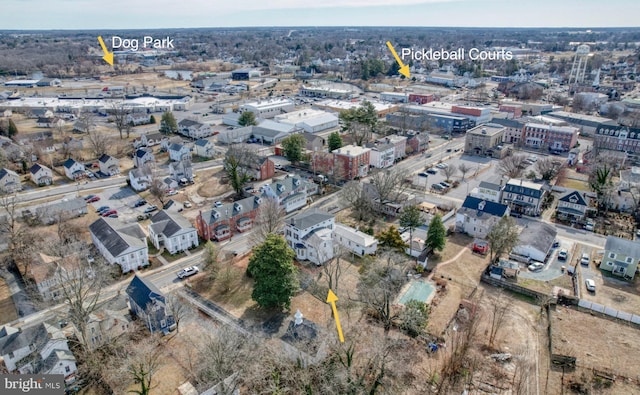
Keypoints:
pixel 142 157
pixel 73 169
pixel 120 243
pixel 488 191
pixel 41 175
pixel 536 241
pixel 109 165
pixel 140 178
pixel 309 235
pixel 39 349
pixel 477 217
pixel 354 240
pixel 194 129
pixel 138 118
pixel 9 181
pixel 172 231
pixel 178 152
pixel 291 192
pixel 49 122
pixel 382 155
pixel 204 148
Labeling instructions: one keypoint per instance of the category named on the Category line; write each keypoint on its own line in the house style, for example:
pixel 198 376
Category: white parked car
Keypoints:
pixel 590 284
pixel 563 254
pixel 188 271
pixel 536 266
pixel 584 260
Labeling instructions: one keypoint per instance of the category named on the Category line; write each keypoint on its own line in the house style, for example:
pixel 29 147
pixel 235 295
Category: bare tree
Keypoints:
pixel 178 308
pixel 512 166
pixel 210 259
pixel 270 219
pixel 143 365
pixel 120 116
pixel 99 142
pixel 354 194
pixel 388 184
pixel 10 226
pixel 158 189
pixel 499 307
pixel 449 172
pixel 464 169
pixel 332 270
pixel 238 164
pixel 503 237
pixel 548 168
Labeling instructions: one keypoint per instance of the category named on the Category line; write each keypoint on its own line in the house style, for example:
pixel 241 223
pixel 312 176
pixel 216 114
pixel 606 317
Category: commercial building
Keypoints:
pixel 268 108
pixel 352 161
pixel 309 120
pixel 485 140
pixel 549 137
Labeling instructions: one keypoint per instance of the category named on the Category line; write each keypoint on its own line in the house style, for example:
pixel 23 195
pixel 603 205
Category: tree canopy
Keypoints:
pixel 335 141
pixel 247 118
pixel 168 123
pixel 391 239
pixel 271 266
pixel 436 234
pixel 503 237
pixel 360 122
pixel 293 146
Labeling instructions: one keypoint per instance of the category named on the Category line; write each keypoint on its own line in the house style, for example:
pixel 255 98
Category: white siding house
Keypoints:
pixel 354 240
pixel 41 175
pixel 119 243
pixel 173 232
pixel 73 169
pixel 309 235
pixel 9 181
pixel 109 165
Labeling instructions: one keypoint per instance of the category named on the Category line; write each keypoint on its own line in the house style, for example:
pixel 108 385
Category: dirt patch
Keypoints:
pixel 210 184
pixel 8 311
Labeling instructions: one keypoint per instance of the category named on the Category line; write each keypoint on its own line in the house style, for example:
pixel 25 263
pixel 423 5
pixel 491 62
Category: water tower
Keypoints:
pixel 579 66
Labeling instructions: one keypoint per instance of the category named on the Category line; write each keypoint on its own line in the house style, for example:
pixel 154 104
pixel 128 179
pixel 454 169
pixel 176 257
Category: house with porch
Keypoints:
pixel 73 169
pixel 575 206
pixel 194 129
pixel 178 152
pixel 109 165
pixel 140 178
pixel 221 223
pixel 621 257
pixel 9 181
pixel 309 234
pixel 41 175
pixel 172 232
pixel 524 197
pixel 149 304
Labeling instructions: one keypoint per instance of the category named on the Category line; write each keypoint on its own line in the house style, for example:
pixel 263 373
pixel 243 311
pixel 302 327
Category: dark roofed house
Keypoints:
pixel 524 197
pixel 120 243
pixel 149 304
pixel 142 157
pixel 204 148
pixel 172 231
pixel 41 175
pixel 574 206
pixel 220 223
pixel 9 181
pixel 536 241
pixel 621 257
pixel 73 169
pixel 476 217
pixel 109 165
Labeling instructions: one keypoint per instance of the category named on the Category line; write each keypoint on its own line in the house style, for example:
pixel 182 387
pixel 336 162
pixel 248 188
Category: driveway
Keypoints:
pixel 553 266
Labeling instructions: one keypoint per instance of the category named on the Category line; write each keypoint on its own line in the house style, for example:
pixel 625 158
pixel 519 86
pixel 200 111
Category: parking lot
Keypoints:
pixel 553 267
pixel 121 199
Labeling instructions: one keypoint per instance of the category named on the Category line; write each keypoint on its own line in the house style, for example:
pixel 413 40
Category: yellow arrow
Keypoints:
pixel 332 298
pixel 404 68
pixel 108 56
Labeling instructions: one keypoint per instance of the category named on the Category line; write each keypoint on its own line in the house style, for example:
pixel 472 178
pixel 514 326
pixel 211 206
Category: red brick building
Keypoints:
pixel 352 161
pixel 220 223
pixel 420 99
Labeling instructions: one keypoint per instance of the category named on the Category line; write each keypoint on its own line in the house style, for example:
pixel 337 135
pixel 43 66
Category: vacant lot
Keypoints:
pixel 7 308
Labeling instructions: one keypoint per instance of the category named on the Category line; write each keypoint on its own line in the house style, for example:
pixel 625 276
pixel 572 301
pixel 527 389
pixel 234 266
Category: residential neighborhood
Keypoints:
pixel 243 211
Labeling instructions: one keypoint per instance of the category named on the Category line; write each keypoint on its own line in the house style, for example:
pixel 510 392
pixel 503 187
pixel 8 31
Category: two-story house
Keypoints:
pixel 41 175
pixel 142 157
pixel 260 168
pixel 9 181
pixel 73 169
pixel 290 192
pixel 621 257
pixel 221 223
pixel 149 140
pixel 399 144
pixel 109 165
pixel 172 232
pixel 524 197
pixel 204 148
pixel 149 304
pixel 38 349
pixel 488 191
pixel 181 171
pixel 417 142
pixel 49 272
pixel 178 152
pixel 194 129
pixel 574 206
pixel 477 217
pixel 140 178
pixel 120 243
pixel 354 241
pixel 103 326
pixel 309 234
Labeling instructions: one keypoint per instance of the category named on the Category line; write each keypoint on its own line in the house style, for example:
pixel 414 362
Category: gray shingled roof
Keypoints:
pixel 36 335
pixel 490 185
pixel 622 246
pixel 229 210
pixel 309 218
pixel 116 236
pixel 168 224
pixel 539 235
pixel 188 122
pixel 202 142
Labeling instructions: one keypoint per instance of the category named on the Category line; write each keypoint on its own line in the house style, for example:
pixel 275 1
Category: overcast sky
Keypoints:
pixel 144 14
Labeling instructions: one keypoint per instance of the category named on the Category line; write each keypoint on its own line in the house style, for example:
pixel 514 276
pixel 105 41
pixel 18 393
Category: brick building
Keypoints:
pixel 220 223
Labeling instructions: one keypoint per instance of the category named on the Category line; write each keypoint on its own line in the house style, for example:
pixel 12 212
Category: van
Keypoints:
pixel 320 178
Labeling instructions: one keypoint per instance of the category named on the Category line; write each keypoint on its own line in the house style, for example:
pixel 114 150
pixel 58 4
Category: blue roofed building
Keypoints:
pixel 149 304
pixel 477 216
pixel 524 197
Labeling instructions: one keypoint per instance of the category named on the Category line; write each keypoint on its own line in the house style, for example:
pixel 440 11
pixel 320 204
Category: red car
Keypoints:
pixel 110 212
pixel 93 199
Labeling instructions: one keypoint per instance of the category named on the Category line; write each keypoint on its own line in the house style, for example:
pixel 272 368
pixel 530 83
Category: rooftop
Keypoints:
pixel 310 218
pixel 351 150
pixel 487 129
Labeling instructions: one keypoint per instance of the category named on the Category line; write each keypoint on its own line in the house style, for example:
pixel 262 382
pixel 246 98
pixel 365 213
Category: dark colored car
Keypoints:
pixel 93 199
pixel 140 203
pixel 423 174
pixel 102 208
pixel 89 197
pixel 108 213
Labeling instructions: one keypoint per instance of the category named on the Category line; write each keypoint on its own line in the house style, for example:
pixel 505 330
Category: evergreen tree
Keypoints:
pixel 436 235
pixel 168 123
pixel 293 146
pixel 410 218
pixel 275 275
pixel 391 239
pixel 247 118
pixel 335 141
pixel 152 120
pixel 12 130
